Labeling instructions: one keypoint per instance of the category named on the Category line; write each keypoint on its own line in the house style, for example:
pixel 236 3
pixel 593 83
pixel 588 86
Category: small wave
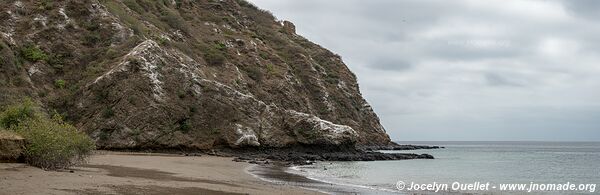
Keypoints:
pixel 304 173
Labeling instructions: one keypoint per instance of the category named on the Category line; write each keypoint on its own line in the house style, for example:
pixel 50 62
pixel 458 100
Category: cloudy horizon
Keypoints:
pixel 463 70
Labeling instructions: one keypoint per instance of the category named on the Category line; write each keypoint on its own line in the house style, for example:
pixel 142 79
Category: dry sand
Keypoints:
pixel 139 173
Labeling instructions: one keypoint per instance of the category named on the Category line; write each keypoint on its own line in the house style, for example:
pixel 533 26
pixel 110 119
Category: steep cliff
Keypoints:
pixel 180 74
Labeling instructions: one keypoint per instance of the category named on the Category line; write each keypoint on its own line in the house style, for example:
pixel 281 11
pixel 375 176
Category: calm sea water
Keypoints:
pixel 469 162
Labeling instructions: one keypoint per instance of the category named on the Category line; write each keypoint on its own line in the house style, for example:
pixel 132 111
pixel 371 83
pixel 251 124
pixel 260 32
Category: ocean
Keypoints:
pixel 467 167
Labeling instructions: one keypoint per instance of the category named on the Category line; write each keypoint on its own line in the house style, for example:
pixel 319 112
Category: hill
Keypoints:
pixel 163 74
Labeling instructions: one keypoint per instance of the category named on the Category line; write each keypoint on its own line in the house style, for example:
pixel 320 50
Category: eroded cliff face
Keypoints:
pixel 180 74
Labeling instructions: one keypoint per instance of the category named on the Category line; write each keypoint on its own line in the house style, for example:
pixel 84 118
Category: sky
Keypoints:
pixel 466 70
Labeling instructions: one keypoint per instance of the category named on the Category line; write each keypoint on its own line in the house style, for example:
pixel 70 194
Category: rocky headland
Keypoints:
pixel 187 75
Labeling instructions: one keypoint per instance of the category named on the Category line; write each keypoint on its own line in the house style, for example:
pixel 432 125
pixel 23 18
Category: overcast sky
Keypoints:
pixel 466 69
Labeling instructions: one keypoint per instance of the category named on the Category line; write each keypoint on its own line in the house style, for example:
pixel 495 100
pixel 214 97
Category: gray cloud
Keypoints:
pixel 391 64
pixel 586 8
pixel 466 69
pixel 495 79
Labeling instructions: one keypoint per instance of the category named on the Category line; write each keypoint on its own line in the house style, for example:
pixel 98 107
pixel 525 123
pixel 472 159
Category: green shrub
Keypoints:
pixel 193 109
pixel 92 39
pixel 270 69
pixel 102 96
pixel 133 5
pixel 332 78
pixel 59 83
pixel 33 54
pixel 162 40
pixel 174 20
pixel 56 61
pixel 247 4
pixel 51 143
pixel 220 46
pixel 104 135
pixel 54 144
pixel 16 114
pixel 254 73
pixel 45 5
pixel 108 113
pixel 136 25
pixel 214 57
pixel 181 94
pixel 184 126
pixel 91 25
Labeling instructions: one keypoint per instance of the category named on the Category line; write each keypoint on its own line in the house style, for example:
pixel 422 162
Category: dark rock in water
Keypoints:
pixel 414 147
pixel 241 159
pixel 400 147
pixel 303 155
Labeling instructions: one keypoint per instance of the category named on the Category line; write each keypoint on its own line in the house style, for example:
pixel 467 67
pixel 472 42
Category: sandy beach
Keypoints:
pixel 140 173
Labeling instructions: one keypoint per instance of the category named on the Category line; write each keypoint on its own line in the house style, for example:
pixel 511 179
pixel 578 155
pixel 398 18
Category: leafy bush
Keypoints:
pixel 108 113
pixel 51 143
pixel 45 5
pixel 270 69
pixel 214 57
pixel 33 54
pixel 16 114
pixel 254 73
pixel 220 46
pixel 133 5
pixel 247 4
pixel 57 61
pixel 54 144
pixel 184 126
pixel 174 21
pixel 92 39
pixel 136 25
pixel 60 83
pixel 162 40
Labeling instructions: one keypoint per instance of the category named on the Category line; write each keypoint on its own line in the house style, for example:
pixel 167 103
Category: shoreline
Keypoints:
pixel 187 172
pixel 142 173
pixel 280 174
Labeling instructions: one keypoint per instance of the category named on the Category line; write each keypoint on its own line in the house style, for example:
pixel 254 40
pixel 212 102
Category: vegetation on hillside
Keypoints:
pixel 51 142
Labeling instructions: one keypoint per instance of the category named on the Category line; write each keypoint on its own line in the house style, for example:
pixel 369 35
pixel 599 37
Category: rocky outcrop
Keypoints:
pixel 11 147
pixel 400 147
pixel 182 74
pixel 307 155
pixel 289 27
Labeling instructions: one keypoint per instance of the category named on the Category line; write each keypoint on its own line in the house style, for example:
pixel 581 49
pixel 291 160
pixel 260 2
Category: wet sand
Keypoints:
pixel 138 173
pixel 280 175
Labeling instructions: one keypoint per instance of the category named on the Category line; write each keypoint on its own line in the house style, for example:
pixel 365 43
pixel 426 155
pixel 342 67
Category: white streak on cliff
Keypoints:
pixel 42 19
pixel 33 70
pixel 319 81
pixel 148 56
pixel 247 136
pixel 334 133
